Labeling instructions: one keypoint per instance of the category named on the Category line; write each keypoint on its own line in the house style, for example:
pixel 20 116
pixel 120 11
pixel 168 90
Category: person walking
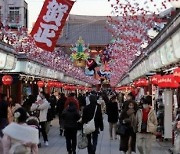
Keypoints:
pixel 101 102
pixel 70 117
pixel 42 106
pixel 88 114
pixel 176 128
pixel 72 98
pixel 128 118
pixel 3 113
pixel 146 127
pixel 112 112
pixel 60 108
pixel 19 137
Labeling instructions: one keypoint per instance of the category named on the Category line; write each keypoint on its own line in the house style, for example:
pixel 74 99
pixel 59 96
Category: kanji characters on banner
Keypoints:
pixel 50 22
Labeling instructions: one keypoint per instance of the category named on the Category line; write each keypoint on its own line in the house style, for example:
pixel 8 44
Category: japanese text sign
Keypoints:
pixel 50 22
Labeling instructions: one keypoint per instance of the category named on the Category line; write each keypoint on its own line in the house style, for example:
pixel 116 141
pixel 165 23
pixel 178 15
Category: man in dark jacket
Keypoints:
pixel 60 108
pixel 3 113
pixel 88 114
pixel 70 117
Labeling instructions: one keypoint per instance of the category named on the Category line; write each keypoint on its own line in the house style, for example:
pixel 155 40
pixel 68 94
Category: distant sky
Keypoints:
pixel 81 7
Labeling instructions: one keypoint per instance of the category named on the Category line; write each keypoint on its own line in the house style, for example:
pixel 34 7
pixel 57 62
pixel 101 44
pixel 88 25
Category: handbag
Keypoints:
pixel 90 126
pixel 82 141
pixel 121 129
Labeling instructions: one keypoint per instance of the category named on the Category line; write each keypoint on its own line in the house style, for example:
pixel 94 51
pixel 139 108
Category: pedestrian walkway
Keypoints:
pixel 105 145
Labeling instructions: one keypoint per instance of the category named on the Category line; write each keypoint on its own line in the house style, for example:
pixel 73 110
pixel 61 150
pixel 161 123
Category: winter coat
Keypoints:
pixel 16 134
pixel 112 112
pixel 70 117
pixel 88 114
pixel 43 109
pixel 4 109
pixel 72 99
pixel 60 105
pixel 151 122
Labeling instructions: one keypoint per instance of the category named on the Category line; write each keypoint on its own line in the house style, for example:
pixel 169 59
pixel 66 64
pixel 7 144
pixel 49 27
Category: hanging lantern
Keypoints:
pixel 50 84
pixel 176 74
pixel 7 79
pixel 59 84
pixel 40 84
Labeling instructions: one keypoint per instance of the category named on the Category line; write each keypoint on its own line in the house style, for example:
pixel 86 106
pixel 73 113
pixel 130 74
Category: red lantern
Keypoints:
pixel 7 80
pixel 50 84
pixel 40 84
pixel 176 74
pixel 59 85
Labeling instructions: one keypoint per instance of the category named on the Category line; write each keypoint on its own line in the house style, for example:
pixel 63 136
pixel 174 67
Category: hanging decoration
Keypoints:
pixel 129 24
pixel 7 80
pixel 50 22
pixel 80 53
pixel 40 84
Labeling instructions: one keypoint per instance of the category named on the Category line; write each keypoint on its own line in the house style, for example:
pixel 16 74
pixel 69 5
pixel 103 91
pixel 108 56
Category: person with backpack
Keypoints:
pixel 20 137
pixel 70 116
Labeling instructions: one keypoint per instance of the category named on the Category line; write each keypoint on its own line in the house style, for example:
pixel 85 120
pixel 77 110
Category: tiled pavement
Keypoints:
pixel 105 145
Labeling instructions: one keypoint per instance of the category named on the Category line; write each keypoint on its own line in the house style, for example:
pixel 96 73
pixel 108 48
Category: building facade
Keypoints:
pixel 14 13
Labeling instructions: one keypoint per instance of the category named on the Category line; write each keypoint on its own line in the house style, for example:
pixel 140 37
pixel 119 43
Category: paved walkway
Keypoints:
pixel 105 145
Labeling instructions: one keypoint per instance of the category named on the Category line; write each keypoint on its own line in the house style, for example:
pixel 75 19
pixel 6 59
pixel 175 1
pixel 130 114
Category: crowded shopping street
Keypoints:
pixel 105 145
pixel 89 76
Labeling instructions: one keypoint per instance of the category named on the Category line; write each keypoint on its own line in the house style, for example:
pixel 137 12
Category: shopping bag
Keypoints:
pixel 82 141
pixel 89 127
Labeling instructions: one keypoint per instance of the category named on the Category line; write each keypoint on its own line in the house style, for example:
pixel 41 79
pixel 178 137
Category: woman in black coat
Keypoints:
pixel 70 117
pixel 128 118
pixel 88 114
pixel 112 112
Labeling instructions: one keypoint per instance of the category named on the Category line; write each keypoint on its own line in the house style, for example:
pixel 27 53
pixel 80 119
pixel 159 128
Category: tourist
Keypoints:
pixel 19 137
pixel 60 108
pixel 146 127
pixel 112 112
pixel 42 105
pixel 128 118
pixel 3 113
pixel 88 114
pixel 70 116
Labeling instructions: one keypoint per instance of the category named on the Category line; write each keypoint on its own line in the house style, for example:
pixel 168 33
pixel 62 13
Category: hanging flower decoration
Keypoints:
pixel 58 60
pixel 129 25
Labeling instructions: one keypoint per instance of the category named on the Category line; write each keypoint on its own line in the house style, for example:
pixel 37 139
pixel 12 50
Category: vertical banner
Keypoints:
pixel 50 22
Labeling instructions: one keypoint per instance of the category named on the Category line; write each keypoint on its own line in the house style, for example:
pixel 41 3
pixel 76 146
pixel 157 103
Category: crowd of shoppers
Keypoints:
pixel 140 121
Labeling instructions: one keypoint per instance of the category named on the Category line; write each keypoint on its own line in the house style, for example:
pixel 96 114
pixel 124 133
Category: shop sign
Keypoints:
pixel 176 42
pixel 155 59
pixel 43 72
pixel 168 46
pixel 37 69
pixel 2 60
pixel 10 62
pixel 163 53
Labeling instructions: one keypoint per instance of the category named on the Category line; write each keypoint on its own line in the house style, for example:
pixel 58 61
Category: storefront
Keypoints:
pixel 162 57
